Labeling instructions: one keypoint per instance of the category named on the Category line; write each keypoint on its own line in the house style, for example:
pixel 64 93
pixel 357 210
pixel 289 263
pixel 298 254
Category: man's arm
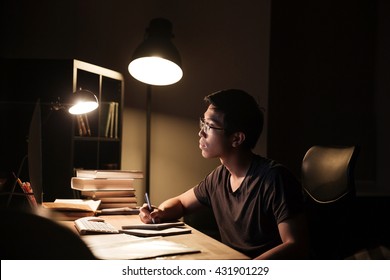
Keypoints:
pixel 171 209
pixel 295 240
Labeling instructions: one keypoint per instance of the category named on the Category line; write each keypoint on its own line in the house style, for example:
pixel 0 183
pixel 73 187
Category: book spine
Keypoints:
pixel 116 119
pixel 87 125
pixel 100 195
pixel 123 199
pixel 117 205
pixel 80 129
pixel 108 121
pixel 83 126
pixel 109 174
pixel 101 184
pixel 112 110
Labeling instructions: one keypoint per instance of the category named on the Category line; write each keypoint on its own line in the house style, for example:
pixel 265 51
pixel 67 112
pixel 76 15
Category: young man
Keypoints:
pixel 257 203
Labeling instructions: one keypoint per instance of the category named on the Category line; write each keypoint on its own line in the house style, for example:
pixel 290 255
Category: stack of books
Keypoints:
pixel 112 199
pixel 114 188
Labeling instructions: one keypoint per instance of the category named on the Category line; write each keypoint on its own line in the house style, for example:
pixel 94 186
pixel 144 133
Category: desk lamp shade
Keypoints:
pixel 157 61
pixel 83 101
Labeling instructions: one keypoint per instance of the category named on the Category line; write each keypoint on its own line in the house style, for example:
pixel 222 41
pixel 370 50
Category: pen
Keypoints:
pixel 149 205
pixel 18 181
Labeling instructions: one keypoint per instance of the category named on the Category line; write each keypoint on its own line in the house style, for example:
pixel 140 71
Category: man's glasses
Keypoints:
pixel 205 127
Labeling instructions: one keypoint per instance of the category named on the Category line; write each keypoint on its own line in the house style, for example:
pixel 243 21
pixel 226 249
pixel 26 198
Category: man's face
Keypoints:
pixel 213 141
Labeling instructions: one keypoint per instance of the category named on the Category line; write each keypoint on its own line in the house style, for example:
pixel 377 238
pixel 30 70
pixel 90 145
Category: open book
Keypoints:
pixel 74 208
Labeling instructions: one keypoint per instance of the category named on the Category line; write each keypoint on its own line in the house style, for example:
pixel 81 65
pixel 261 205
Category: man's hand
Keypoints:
pixel 146 216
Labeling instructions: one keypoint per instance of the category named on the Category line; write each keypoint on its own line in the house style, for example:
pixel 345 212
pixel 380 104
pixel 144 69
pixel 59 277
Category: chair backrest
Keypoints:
pixel 327 172
pixel 328 182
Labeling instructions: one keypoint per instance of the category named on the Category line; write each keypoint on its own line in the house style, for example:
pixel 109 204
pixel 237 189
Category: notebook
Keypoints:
pixel 127 247
pixel 159 226
pixel 153 232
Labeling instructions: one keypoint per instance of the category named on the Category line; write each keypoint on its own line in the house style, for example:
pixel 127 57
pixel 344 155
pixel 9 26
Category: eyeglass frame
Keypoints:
pixel 205 127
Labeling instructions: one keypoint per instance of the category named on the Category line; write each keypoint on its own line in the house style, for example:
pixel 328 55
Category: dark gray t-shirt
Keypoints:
pixel 248 218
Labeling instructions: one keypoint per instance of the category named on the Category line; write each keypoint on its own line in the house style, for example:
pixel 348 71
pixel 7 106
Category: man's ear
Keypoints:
pixel 238 139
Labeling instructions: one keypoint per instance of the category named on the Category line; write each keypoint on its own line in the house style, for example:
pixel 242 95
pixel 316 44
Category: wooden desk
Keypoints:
pixel 210 248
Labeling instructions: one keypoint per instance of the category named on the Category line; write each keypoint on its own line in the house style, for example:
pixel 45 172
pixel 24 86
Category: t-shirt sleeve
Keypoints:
pixel 201 192
pixel 286 198
pixel 206 188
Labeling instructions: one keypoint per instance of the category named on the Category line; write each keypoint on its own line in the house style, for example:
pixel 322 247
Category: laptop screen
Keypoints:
pixel 35 153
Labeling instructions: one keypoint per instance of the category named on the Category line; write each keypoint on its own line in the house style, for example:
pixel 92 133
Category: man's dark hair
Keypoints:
pixel 241 113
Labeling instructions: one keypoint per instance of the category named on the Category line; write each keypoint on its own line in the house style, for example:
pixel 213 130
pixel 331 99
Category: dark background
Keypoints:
pixel 327 74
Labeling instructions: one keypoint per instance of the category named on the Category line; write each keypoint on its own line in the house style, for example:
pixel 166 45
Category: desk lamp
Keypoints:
pixel 82 101
pixel 155 61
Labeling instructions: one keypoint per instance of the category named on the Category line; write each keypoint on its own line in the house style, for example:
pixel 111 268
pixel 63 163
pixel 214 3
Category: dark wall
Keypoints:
pixel 23 82
pixel 329 84
pixel 321 88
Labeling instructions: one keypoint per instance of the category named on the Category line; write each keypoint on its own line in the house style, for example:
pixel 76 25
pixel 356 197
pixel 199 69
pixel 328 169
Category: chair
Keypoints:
pixel 32 235
pixel 328 184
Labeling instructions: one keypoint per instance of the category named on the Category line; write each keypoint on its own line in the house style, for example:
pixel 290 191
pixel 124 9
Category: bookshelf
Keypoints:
pixel 101 148
pixel 23 82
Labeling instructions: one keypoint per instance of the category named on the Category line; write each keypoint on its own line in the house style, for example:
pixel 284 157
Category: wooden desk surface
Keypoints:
pixel 210 248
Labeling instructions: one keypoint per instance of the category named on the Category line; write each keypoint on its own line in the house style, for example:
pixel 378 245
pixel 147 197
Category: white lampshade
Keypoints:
pixel 155 71
pixel 156 61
